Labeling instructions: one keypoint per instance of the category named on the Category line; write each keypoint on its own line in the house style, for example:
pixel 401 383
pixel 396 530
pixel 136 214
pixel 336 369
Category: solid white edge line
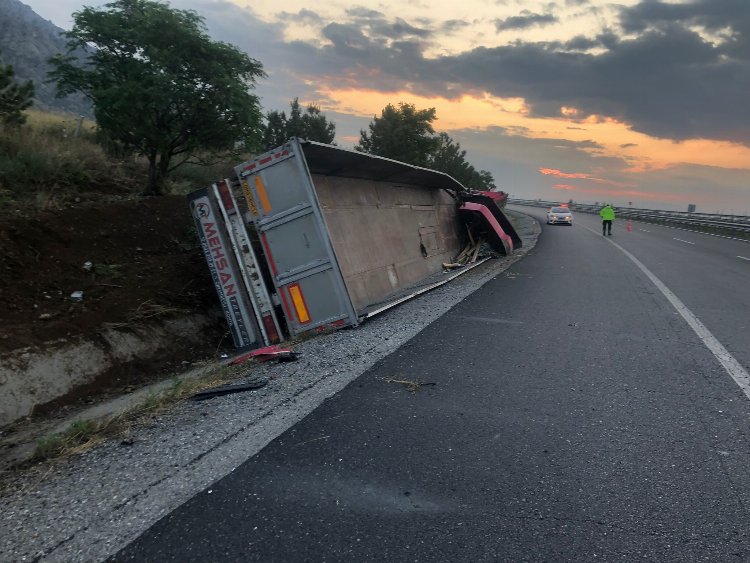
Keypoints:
pixel 728 362
pixel 685 241
pixel 743 258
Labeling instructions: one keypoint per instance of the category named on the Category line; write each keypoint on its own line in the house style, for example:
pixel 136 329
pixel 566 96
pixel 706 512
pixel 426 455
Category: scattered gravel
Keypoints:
pixel 89 507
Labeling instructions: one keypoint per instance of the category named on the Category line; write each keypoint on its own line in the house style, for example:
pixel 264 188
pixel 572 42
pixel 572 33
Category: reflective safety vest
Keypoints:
pixel 607 213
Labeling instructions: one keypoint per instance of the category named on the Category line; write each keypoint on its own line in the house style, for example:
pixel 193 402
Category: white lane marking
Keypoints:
pixel 743 257
pixel 728 362
pixel 705 233
pixel 685 241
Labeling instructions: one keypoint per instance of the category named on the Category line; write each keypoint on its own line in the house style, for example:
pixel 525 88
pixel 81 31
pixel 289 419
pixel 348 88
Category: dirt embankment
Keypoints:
pixel 134 261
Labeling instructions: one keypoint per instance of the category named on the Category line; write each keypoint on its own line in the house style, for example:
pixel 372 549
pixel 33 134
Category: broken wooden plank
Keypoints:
pixel 476 251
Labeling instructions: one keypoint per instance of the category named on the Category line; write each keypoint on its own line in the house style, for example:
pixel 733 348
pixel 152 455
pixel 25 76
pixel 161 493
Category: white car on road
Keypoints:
pixel 559 215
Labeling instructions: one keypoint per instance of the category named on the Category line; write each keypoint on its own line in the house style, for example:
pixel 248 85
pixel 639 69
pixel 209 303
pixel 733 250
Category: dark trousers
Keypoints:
pixel 606 226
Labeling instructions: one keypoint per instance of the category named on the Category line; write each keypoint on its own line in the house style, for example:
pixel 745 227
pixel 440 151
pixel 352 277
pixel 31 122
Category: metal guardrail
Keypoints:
pixel 727 225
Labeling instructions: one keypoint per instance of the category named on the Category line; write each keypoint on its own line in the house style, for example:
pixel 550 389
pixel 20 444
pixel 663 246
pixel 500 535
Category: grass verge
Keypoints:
pixel 85 434
pixel 55 159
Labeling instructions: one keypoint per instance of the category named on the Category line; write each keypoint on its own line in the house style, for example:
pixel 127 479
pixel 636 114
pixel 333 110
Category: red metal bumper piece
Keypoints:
pixel 265 354
pixel 490 219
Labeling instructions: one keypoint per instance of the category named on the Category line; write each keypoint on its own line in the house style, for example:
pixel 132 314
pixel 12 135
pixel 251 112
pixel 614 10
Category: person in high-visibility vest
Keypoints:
pixel 607 214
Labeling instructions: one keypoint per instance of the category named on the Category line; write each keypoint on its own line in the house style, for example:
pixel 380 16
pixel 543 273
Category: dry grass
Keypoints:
pixel 150 309
pixel 86 434
pixel 146 311
pixel 56 158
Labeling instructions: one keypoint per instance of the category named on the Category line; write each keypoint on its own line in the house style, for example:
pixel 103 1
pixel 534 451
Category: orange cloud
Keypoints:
pixel 559 174
pixel 582 176
pixel 567 187
pixel 612 138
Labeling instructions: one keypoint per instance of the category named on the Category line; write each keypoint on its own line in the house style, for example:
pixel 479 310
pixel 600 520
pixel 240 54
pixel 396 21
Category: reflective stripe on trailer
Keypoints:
pixel 262 194
pixel 300 307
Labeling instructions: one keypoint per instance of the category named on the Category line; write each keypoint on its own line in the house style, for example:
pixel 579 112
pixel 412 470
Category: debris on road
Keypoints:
pixel 274 352
pixel 228 390
pixel 468 255
pixel 412 386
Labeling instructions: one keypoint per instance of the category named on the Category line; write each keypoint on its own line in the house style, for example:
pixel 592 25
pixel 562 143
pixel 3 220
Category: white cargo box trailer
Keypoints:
pixel 343 232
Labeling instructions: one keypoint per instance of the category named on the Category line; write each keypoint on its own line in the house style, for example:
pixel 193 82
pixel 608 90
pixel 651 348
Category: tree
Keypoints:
pixel 448 157
pixel 311 125
pixel 160 87
pixel 274 133
pixel 14 98
pixel 316 127
pixel 404 134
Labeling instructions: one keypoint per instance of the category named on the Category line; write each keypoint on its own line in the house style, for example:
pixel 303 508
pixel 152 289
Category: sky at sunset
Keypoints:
pixel 642 101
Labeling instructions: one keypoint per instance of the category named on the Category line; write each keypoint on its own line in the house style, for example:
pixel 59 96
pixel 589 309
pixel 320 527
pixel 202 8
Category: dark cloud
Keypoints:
pixel 376 24
pixel 712 14
pixel 364 13
pixel 608 39
pixel 346 37
pixel 663 78
pixel 667 81
pixel 525 20
pixel 398 29
pixel 581 43
pixel 452 26
pixel 605 40
pixel 729 18
pixel 228 22
pixel 303 16
pixel 628 145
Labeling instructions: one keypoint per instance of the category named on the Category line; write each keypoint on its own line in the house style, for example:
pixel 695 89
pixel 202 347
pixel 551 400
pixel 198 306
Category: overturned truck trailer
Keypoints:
pixel 235 269
pixel 331 236
pixel 343 231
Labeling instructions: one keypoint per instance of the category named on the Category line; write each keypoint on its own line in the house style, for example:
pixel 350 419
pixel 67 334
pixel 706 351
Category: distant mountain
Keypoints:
pixel 27 41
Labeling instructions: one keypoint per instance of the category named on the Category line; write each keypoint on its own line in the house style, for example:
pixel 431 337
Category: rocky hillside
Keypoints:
pixel 27 41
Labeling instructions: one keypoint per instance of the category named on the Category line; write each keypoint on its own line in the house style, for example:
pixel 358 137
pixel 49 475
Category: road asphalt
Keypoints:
pixel 564 412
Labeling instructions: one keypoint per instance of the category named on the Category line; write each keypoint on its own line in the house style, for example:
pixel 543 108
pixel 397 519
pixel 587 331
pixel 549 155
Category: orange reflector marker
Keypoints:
pixel 264 201
pixel 299 303
pixel 249 197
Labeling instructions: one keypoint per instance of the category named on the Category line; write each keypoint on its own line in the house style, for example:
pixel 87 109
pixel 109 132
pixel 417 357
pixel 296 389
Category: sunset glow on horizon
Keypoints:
pixel 642 152
pixel 639 100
